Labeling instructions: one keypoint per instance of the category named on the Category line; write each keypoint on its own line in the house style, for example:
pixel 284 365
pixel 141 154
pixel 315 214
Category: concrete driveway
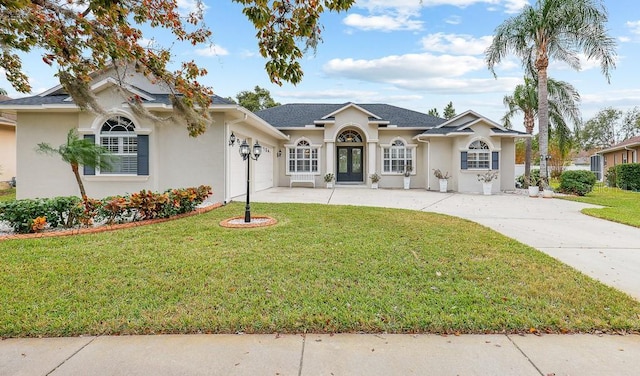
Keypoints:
pixel 606 251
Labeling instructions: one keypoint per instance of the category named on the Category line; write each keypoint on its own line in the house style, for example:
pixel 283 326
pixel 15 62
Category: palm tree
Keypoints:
pixel 76 152
pixel 563 99
pixel 557 29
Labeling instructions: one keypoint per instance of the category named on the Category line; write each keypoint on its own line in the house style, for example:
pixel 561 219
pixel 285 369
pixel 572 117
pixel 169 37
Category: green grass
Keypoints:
pixel 7 194
pixel 620 205
pixel 320 269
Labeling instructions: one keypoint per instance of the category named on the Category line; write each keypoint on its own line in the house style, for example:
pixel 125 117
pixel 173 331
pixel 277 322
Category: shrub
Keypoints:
pixel 31 215
pixel 534 178
pixel 628 176
pixel 577 182
pixel 610 177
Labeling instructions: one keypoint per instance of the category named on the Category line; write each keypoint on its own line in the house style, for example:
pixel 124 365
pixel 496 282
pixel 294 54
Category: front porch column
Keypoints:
pixel 330 160
pixel 371 146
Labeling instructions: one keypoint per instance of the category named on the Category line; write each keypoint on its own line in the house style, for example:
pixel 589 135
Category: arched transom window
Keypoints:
pixel 479 155
pixel 396 157
pixel 302 158
pixel 118 135
pixel 349 136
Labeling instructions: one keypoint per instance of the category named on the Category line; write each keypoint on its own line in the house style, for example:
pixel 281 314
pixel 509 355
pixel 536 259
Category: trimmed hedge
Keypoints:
pixel 32 215
pixel 628 176
pixel 577 182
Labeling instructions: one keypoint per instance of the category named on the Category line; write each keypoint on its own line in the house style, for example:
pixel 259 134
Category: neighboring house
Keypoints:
pixel 350 140
pixel 354 141
pixel 623 152
pixel 7 144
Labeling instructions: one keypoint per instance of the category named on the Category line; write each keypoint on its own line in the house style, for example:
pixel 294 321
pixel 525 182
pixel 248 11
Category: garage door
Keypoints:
pixel 237 174
pixel 264 169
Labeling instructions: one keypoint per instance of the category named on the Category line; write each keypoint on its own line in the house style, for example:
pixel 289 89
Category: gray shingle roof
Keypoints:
pixel 301 114
pixel 61 100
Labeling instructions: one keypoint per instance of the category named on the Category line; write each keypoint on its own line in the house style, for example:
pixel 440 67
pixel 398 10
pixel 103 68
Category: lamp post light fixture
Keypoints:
pixel 232 139
pixel 247 155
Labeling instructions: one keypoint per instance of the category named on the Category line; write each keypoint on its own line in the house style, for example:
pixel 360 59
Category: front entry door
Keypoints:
pixel 350 164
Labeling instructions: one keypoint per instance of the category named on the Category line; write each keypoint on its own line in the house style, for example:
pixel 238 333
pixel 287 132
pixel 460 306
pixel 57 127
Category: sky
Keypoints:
pixel 408 53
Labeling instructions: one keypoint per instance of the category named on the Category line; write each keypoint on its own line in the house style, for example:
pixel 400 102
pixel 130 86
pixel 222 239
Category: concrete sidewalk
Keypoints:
pixel 344 354
pixel 604 250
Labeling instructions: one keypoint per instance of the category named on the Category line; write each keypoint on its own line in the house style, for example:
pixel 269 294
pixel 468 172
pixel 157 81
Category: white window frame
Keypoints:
pixel 388 151
pixel 118 149
pixel 483 156
pixel 300 146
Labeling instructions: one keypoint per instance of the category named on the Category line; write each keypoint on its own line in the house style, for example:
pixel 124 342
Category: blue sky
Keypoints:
pixel 412 54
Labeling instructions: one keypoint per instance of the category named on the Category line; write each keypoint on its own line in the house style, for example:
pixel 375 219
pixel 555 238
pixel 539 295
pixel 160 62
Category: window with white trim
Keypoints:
pixel 479 155
pixel 118 136
pixel 396 156
pixel 303 158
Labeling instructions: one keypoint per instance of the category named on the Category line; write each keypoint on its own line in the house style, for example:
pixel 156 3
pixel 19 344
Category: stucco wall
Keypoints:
pixel 619 156
pixel 7 152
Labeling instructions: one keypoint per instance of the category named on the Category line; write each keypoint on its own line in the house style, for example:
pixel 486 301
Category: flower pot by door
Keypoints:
pixel 534 190
pixel 374 185
pixel 443 185
pixel 407 182
pixel 486 188
pixel 330 185
pixel 547 193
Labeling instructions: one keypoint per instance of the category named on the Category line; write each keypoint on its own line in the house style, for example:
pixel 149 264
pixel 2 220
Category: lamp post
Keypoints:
pixel 247 155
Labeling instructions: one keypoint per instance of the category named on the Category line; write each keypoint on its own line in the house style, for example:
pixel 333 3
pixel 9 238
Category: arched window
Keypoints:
pixel 118 135
pixel 349 136
pixel 302 158
pixel 396 157
pixel 479 157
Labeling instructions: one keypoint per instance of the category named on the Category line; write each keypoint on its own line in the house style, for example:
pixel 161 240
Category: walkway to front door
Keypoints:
pixel 350 164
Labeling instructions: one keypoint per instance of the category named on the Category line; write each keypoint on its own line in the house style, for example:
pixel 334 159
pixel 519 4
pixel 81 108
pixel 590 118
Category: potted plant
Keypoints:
pixel 442 179
pixel 534 186
pixel 487 181
pixel 375 178
pixel 407 176
pixel 328 178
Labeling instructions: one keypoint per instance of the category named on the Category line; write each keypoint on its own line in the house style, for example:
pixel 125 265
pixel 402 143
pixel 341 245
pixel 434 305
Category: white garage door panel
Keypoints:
pixel 264 169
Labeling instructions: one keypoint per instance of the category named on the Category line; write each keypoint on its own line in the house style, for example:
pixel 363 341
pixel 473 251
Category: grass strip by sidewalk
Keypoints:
pixel 619 205
pixel 320 269
pixel 7 194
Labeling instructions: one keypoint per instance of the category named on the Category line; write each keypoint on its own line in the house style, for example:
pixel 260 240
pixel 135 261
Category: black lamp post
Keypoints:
pixel 245 153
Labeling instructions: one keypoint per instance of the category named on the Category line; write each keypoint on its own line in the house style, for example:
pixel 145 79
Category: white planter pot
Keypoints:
pixel 547 193
pixel 534 190
pixel 443 185
pixel 486 188
pixel 330 185
pixel 407 182
pixel 374 185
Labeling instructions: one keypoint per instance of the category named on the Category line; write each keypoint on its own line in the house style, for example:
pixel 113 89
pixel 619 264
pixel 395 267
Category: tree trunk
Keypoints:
pixel 76 172
pixel 529 123
pixel 542 63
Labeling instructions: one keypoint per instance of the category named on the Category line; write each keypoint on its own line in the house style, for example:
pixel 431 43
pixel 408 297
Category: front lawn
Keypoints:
pixel 320 269
pixel 620 205
pixel 7 194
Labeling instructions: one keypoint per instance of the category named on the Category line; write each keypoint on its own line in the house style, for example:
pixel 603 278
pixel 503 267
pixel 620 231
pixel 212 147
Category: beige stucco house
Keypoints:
pixel 349 140
pixel 620 153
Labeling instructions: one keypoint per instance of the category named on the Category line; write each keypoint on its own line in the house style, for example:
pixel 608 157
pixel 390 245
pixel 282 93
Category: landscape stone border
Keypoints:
pixel 238 222
pixel 118 226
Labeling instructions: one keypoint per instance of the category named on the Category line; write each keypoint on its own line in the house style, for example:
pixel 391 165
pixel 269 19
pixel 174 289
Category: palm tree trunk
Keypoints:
pixel 529 123
pixel 543 116
pixel 76 173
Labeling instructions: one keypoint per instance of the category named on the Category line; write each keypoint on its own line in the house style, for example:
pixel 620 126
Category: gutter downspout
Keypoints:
pixel 634 158
pixel 227 156
pixel 428 161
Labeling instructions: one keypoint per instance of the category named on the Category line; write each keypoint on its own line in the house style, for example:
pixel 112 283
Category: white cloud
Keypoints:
pixel 382 22
pixel 453 20
pixel 458 44
pixel 358 96
pixel 634 26
pixel 212 51
pixel 510 6
pixel 190 6
pixel 442 74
